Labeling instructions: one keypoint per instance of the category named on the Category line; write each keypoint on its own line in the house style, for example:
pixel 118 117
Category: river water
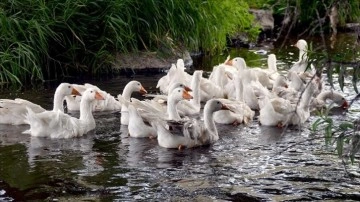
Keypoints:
pixel 248 163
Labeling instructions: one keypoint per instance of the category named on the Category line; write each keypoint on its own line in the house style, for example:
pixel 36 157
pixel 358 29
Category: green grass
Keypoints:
pixel 43 40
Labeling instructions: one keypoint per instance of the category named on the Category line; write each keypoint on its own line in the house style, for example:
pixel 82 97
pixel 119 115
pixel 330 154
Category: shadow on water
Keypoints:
pixel 248 163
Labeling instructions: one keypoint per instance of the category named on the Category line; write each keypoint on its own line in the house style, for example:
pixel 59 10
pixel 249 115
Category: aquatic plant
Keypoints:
pixel 50 39
pixel 345 135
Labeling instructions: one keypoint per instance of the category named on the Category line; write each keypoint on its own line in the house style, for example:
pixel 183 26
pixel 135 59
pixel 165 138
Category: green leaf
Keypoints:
pixel 341 77
pixel 340 144
pixel 355 77
pixel 346 125
pixel 330 75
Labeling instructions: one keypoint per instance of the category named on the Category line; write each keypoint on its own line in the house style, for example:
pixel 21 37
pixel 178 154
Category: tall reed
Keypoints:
pixel 50 39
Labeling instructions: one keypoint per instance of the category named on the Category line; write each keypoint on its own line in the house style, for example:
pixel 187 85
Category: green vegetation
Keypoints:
pixel 50 39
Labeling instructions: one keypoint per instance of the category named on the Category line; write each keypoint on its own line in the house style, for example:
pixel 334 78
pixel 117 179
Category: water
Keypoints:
pixel 248 163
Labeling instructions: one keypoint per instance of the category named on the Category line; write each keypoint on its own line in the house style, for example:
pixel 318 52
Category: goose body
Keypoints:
pixel 56 124
pixel 139 113
pixel 137 127
pixel 193 133
pixel 239 111
pixel 285 111
pixel 13 111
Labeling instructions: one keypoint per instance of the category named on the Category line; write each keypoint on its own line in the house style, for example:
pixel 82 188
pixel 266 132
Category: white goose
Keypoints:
pixel 335 97
pixel 301 65
pixel 279 111
pixel 132 86
pixel 239 111
pixel 185 107
pixel 57 124
pixel 272 67
pixel 193 133
pixel 108 104
pixel 261 74
pixel 13 111
pixel 168 112
pixel 137 126
pixel 176 74
pixel 139 113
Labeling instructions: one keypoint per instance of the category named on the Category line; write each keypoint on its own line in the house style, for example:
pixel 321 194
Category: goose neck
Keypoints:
pixel 58 102
pixel 209 121
pixel 85 111
pixel 127 92
pixel 195 86
pixel 171 109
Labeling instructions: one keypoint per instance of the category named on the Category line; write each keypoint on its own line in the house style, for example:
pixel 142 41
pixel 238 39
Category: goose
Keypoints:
pixel 272 67
pixel 320 100
pixel 268 116
pixel 162 98
pixel 13 111
pixel 108 104
pixel 137 127
pixel 168 112
pixel 279 111
pixel 132 86
pixel 176 74
pixel 193 133
pixel 252 90
pixel 57 124
pixel 138 123
pixel 261 74
pixel 192 106
pixel 302 64
pixel 239 111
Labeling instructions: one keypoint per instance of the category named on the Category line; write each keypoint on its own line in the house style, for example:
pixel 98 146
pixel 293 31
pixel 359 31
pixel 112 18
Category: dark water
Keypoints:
pixel 248 163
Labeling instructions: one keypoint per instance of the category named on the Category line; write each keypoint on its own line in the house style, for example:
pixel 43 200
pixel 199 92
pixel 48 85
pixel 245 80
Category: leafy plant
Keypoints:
pixel 342 134
pixel 50 39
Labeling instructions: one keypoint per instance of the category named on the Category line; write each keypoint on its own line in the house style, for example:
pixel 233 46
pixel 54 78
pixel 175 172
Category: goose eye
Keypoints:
pixel 218 102
pixel 69 86
pixel 91 91
pixel 179 91
pixel 138 84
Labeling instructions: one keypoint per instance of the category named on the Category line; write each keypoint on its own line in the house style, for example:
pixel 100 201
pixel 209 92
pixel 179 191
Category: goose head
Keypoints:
pixel 91 94
pixel 238 62
pixel 135 86
pixel 341 101
pixel 214 105
pixel 179 94
pixel 179 85
pixel 67 89
pixel 338 99
pixel 301 45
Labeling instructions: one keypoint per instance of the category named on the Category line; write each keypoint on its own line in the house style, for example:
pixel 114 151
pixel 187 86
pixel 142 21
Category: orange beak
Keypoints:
pixel 98 96
pixel 75 92
pixel 187 88
pixel 186 95
pixel 142 90
pixel 345 105
pixel 224 107
pixel 229 62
